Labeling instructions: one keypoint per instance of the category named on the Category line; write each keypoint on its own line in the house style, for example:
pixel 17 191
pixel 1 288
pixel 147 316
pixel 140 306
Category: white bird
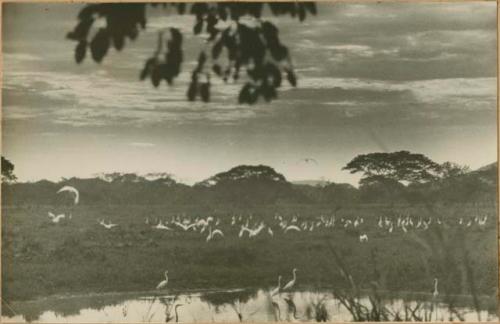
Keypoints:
pixel 270 231
pixel 277 289
pixel 185 227
pixel 291 283
pixel 201 223
pixel 292 228
pixel 163 283
pixel 162 227
pixel 107 226
pixel 256 231
pixel 56 219
pixel 363 238
pixel 243 230
pixel 211 234
pixel 72 190
pixel 435 293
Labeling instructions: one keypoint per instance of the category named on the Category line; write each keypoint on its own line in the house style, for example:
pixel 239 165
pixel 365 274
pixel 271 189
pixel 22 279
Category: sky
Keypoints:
pixel 372 78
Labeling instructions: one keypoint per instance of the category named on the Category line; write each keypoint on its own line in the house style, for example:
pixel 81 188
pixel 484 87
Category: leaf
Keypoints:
pixel 279 52
pixel 192 90
pixel 310 6
pixel 176 35
pixel 292 79
pixel 148 66
pixel 201 62
pixel 268 92
pixel 80 51
pixel 156 75
pixel 275 73
pixel 217 49
pixel 81 30
pixel 302 12
pixel 118 41
pixel 244 95
pixel 205 91
pixel 132 33
pixel 99 45
pixel 181 8
pixel 198 27
pixel 89 10
pixel 248 94
pixel 221 10
pixel 217 69
pixel 167 73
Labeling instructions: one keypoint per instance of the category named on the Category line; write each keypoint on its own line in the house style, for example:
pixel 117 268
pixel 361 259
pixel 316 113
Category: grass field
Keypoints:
pixel 78 255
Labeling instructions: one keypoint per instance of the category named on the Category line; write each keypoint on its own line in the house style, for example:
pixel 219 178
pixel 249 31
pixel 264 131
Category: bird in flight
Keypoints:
pixel 309 160
pixel 73 190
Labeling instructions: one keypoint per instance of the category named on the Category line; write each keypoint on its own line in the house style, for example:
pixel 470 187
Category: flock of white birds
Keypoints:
pixel 248 227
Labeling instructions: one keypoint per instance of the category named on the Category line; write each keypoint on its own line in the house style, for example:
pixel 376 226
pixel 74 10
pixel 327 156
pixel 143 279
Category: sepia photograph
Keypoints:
pixel 215 162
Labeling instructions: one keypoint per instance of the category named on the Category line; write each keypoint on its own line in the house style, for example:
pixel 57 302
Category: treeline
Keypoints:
pixel 256 185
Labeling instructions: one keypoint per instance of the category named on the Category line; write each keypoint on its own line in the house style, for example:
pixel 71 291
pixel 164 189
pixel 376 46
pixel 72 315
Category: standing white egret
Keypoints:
pixel 243 229
pixel 435 293
pixel 277 289
pixel 291 283
pixel 163 283
pixel 72 190
pixel 211 234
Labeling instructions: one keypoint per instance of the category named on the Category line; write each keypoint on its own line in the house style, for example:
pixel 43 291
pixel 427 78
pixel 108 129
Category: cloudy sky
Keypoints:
pixel 372 77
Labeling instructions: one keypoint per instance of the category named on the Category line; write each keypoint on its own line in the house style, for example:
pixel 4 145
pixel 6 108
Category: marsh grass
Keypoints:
pixel 41 259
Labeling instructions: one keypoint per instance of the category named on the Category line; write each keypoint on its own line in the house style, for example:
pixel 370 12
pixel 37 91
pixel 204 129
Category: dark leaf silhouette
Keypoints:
pixel 156 75
pixel 217 69
pixel 192 90
pixel 80 51
pixel 198 27
pixel 81 30
pixel 148 67
pixel 118 42
pixel 99 45
pixel 290 75
pixel 205 91
pixel 229 48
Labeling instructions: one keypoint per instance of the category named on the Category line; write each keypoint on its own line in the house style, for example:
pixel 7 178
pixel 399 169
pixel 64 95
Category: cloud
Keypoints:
pixel 142 144
pixel 437 56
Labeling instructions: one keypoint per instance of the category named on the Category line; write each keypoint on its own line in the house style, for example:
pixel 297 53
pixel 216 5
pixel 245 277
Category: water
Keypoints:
pixel 214 306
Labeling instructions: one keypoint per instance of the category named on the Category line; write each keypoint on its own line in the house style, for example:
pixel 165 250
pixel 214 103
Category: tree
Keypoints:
pixel 450 170
pixel 401 166
pixel 249 42
pixel 7 171
pixel 381 189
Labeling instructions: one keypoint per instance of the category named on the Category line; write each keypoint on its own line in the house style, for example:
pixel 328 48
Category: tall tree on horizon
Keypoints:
pixel 7 171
